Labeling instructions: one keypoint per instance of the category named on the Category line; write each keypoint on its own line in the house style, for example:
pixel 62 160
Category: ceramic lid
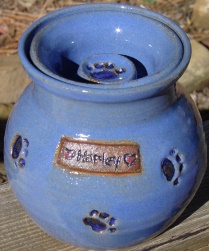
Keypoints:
pixel 115 51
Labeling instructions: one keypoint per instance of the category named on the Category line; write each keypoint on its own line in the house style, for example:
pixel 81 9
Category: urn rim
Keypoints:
pixel 148 86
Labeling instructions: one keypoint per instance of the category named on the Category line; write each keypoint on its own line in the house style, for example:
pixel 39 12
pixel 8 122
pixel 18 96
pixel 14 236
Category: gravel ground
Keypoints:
pixel 17 15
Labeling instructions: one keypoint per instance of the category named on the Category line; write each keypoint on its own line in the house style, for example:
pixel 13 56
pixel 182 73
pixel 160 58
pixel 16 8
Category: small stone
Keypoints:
pixel 27 3
pixel 205 42
pixel 13 79
pixel 5 39
pixel 202 101
pixel 194 96
pixel 3 178
pixel 3 175
pixel 196 76
pixel 5 110
pixel 200 15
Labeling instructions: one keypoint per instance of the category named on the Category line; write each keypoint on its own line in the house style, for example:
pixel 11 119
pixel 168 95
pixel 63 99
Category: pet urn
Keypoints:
pixel 104 149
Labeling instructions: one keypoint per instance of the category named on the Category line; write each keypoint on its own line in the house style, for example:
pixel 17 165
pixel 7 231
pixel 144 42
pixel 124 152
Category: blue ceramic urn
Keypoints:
pixel 103 148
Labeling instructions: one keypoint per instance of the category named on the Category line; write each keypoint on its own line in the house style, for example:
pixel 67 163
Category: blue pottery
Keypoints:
pixel 103 149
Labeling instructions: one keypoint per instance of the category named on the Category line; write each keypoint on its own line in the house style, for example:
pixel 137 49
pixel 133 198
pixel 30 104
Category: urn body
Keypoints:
pixel 111 161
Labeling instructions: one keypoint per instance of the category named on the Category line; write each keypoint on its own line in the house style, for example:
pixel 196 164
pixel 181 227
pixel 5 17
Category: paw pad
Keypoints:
pixel 100 222
pixel 172 166
pixel 19 151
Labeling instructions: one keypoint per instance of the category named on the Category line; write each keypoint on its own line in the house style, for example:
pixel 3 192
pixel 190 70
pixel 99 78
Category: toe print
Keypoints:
pixel 100 222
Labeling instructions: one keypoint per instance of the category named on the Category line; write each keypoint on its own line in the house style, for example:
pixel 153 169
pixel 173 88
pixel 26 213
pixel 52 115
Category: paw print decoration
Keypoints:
pixel 106 68
pixel 100 222
pixel 173 166
pixel 105 71
pixel 19 151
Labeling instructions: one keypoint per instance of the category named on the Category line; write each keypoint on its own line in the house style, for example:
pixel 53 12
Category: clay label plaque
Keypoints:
pixel 105 158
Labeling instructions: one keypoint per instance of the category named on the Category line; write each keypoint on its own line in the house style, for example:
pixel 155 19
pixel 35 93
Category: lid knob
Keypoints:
pixel 105 68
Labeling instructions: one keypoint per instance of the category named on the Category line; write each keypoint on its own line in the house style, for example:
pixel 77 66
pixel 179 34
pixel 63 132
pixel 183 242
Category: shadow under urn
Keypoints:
pixel 103 149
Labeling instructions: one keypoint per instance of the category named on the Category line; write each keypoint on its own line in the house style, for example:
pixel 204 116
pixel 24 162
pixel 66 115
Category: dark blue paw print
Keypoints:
pixel 19 151
pixel 172 166
pixel 100 222
pixel 105 71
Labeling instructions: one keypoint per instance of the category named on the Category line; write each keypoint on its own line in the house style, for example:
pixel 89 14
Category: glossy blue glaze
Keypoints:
pixel 91 210
pixel 107 68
